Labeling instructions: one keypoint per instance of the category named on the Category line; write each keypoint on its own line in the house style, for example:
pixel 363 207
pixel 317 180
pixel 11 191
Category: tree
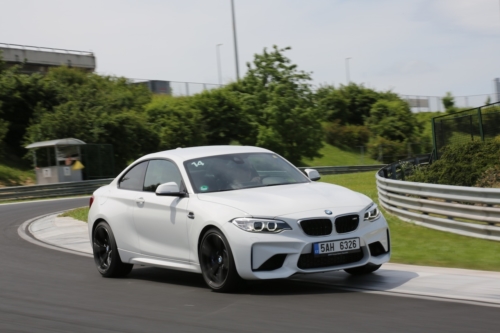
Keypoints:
pixel 19 94
pixel 392 120
pixel 278 97
pixel 4 128
pixel 223 117
pixel 176 121
pixel 95 109
pixel 449 103
pixel 349 104
pixel 394 129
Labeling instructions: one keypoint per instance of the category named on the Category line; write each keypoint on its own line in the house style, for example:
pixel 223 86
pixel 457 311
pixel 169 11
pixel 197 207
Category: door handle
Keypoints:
pixel 139 200
pixel 191 215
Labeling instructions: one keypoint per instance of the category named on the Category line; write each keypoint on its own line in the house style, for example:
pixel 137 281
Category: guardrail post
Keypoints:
pixel 480 118
pixel 393 171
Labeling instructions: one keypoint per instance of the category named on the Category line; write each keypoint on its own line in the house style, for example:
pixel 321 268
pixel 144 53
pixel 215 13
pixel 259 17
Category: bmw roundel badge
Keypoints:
pixel 328 212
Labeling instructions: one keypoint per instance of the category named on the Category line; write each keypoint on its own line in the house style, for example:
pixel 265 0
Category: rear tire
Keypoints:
pixel 363 270
pixel 217 262
pixel 106 255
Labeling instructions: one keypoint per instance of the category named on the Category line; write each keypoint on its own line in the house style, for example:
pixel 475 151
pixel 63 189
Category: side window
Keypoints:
pixel 134 178
pixel 160 172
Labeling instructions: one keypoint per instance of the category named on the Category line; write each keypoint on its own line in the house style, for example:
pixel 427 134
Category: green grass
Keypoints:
pixel 416 245
pixel 333 156
pixel 78 213
pixel 10 176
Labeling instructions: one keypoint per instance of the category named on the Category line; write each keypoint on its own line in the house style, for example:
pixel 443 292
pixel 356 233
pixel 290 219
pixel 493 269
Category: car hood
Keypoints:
pixel 280 200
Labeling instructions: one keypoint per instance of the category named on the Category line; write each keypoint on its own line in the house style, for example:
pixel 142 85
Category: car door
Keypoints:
pixel 161 221
pixel 120 206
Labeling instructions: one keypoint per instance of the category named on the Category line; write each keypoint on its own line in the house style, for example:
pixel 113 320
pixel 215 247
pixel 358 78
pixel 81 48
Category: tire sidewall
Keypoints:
pixel 114 256
pixel 232 278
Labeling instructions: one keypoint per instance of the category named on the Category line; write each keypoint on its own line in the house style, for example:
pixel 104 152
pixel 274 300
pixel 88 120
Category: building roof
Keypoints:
pixel 58 142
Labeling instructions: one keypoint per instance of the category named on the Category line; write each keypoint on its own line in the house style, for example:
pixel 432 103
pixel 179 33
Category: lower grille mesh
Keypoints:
pixel 308 260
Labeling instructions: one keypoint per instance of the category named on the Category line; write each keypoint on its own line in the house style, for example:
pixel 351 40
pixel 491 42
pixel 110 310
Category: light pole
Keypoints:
pixel 235 43
pixel 218 63
pixel 347 70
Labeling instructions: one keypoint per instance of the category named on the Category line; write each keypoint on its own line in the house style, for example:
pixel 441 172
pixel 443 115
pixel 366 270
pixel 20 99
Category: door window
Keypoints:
pixel 161 172
pixel 134 178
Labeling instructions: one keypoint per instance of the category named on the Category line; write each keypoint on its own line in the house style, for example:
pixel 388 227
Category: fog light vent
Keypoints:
pixel 273 263
pixel 377 249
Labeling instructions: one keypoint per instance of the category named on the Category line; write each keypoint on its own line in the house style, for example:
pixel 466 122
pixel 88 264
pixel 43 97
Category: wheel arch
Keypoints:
pixel 202 232
pixel 94 225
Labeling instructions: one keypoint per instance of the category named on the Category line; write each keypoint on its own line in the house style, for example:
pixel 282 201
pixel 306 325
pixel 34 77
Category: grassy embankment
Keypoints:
pixel 14 174
pixel 333 156
pixel 411 244
pixel 416 245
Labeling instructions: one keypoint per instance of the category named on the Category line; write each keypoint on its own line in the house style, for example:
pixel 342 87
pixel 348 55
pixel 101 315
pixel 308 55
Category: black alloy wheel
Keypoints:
pixel 217 263
pixel 106 255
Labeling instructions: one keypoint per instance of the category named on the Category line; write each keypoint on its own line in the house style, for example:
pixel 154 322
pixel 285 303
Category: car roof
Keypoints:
pixel 184 154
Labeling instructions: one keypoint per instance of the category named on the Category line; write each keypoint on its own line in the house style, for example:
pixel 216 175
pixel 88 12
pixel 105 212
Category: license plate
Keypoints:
pixel 332 247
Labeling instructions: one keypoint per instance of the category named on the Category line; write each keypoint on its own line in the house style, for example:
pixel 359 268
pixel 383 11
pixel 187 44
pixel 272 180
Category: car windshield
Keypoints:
pixel 239 171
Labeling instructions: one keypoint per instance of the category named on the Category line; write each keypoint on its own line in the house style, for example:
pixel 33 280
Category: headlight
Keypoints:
pixel 372 213
pixel 260 225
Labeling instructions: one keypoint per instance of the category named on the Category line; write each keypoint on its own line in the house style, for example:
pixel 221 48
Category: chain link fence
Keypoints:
pixel 435 103
pixel 175 88
pixel 98 161
pixel 482 123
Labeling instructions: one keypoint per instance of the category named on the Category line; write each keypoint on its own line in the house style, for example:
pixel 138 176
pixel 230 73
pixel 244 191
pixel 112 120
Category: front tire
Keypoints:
pixel 106 255
pixel 363 270
pixel 217 262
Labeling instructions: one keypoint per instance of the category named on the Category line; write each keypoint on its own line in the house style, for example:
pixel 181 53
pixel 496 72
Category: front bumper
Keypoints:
pixel 273 256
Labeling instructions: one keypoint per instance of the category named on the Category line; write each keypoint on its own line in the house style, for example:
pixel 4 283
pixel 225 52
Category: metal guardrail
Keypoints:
pixel 51 190
pixel 89 186
pixel 469 211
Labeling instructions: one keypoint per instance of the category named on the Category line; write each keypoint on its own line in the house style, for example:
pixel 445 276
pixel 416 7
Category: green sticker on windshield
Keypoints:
pixel 203 188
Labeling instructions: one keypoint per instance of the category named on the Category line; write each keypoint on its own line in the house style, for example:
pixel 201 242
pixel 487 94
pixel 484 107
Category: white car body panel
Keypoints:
pixel 158 231
pixel 161 224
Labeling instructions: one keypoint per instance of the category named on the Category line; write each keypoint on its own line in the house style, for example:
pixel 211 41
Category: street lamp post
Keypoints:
pixel 219 71
pixel 235 43
pixel 347 70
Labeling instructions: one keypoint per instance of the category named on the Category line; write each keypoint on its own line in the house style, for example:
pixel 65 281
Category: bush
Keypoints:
pixel 461 164
pixel 490 177
pixel 350 136
pixel 387 151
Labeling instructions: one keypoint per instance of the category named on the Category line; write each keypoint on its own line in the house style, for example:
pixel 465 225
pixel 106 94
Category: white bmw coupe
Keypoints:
pixel 232 213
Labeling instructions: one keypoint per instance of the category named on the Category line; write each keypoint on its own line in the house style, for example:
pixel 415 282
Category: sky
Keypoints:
pixel 412 47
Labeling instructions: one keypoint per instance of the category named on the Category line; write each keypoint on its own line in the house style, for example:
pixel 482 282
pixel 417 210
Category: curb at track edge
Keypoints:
pixel 25 234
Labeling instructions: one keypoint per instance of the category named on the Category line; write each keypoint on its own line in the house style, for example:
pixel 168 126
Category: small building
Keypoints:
pixel 41 59
pixel 57 161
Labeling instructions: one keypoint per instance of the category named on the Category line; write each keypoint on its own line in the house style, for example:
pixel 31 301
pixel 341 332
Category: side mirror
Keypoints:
pixel 312 174
pixel 170 189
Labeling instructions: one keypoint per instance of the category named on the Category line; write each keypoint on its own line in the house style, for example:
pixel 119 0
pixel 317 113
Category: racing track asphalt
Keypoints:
pixel 43 290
